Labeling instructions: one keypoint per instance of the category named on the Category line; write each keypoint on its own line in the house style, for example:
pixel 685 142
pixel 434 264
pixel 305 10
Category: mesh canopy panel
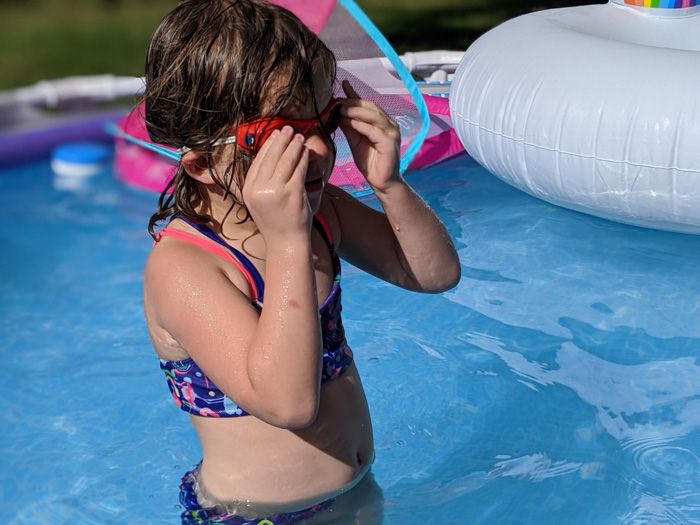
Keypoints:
pixel 372 67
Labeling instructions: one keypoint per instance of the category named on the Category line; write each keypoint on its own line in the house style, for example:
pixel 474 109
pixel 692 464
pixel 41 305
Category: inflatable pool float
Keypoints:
pixel 35 119
pixel 594 108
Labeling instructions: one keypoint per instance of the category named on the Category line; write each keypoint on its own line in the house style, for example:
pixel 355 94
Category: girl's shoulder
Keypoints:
pixel 171 263
pixel 175 248
pixel 181 255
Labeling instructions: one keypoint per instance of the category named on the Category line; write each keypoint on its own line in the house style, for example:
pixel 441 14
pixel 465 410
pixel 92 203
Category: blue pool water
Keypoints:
pixel 559 383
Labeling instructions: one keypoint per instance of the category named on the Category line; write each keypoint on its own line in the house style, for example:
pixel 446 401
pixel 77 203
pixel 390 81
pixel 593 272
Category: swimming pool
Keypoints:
pixel 558 383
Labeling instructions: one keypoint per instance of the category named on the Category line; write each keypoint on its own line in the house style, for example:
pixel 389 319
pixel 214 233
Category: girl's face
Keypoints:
pixel 321 150
pixel 301 115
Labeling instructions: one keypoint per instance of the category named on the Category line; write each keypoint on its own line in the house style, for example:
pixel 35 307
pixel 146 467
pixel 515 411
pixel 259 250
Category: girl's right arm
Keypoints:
pixel 270 363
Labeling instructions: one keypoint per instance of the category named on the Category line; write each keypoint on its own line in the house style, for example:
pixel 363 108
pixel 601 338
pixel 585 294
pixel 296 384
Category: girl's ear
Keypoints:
pixel 196 165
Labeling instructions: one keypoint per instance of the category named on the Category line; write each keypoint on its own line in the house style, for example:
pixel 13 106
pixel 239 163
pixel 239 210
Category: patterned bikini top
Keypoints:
pixel 192 390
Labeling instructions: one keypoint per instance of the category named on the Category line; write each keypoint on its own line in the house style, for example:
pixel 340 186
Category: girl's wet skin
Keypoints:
pixel 282 358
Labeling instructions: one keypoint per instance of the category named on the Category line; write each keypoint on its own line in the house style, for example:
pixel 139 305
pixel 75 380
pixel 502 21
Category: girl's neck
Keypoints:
pixel 226 220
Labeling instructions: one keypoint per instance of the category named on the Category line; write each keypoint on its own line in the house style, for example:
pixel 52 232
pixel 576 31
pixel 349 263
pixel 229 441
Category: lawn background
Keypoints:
pixel 44 39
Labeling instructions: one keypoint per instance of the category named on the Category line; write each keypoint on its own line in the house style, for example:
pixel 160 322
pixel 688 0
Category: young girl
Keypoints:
pixel 242 289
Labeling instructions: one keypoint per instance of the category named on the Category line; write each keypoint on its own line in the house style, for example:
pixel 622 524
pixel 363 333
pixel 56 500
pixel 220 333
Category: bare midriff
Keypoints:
pixel 246 459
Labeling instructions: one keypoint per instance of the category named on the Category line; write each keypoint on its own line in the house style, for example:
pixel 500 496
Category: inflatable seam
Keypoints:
pixel 597 177
pixel 674 172
pixel 580 155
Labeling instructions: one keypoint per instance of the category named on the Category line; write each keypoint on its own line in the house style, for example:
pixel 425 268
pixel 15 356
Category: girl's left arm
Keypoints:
pixel 407 244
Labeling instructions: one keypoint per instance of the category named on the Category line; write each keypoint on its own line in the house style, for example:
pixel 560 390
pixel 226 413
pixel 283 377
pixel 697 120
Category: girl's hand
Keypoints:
pixel 373 137
pixel 274 190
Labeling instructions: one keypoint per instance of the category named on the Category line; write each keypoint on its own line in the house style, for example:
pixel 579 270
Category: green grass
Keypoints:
pixel 416 25
pixel 55 38
pixel 43 39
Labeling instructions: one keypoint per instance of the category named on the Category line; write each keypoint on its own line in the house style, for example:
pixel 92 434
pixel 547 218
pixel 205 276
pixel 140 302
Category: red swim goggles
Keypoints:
pixel 250 136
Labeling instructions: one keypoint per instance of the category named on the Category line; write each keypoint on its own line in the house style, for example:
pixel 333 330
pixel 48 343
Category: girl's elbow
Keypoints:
pixel 445 280
pixel 300 415
pixel 452 277
pixel 293 411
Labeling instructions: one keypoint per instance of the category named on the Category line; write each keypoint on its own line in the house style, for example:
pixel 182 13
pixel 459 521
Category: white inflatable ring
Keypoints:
pixel 595 108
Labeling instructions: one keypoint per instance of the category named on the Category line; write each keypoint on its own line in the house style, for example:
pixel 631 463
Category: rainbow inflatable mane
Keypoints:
pixel 664 4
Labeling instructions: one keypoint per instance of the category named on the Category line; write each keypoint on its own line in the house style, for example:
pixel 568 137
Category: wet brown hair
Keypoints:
pixel 213 64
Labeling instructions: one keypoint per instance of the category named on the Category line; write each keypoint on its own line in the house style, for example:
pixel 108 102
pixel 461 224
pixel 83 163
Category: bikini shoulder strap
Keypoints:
pixel 218 246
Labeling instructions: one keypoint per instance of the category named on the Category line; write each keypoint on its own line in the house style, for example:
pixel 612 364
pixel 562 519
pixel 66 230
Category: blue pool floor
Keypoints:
pixel 559 383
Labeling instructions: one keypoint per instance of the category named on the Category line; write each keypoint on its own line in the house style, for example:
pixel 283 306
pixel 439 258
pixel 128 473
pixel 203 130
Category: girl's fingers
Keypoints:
pixel 298 177
pixel 259 158
pixel 289 160
pixel 374 133
pixel 371 115
pixel 361 103
pixel 349 90
pixel 271 152
pixel 354 100
pixel 353 136
pixel 355 107
pixel 368 111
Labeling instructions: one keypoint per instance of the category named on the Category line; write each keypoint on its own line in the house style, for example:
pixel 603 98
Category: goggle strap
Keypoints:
pixel 220 142
pixel 259 129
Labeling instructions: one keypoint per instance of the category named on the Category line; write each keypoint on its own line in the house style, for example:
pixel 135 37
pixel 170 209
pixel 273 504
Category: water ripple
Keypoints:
pixel 664 485
pixel 673 466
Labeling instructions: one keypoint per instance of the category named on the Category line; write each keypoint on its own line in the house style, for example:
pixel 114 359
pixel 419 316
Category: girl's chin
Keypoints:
pixel 315 199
